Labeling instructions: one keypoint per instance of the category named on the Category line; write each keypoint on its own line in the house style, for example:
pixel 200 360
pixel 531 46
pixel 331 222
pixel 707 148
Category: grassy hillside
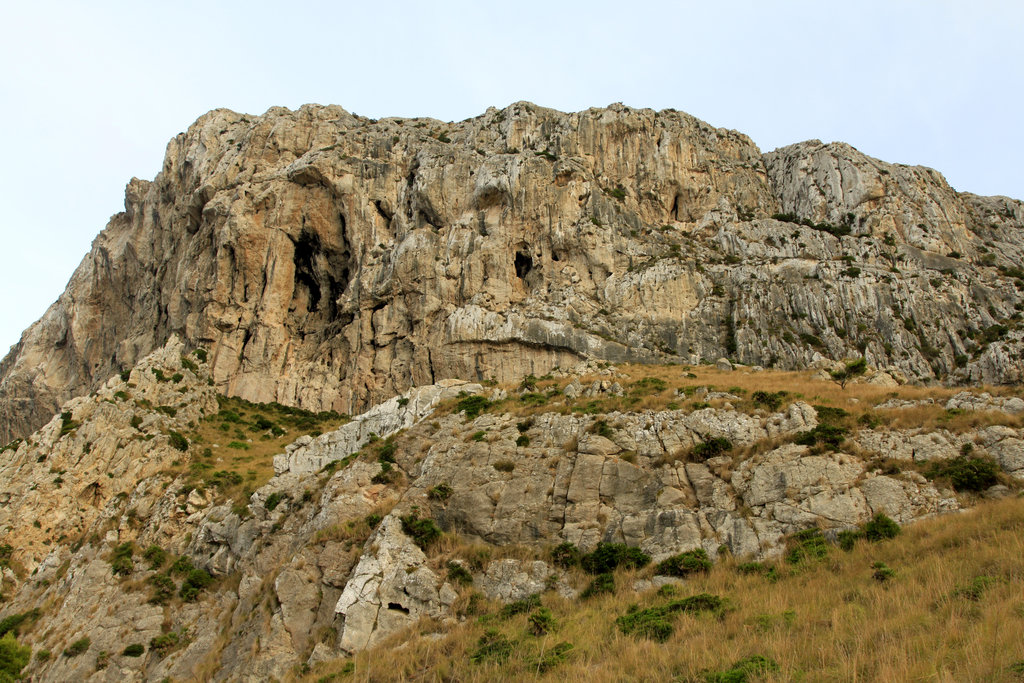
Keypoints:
pixel 943 601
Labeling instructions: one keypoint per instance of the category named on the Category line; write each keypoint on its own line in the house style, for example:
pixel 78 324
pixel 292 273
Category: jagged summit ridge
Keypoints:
pixel 331 261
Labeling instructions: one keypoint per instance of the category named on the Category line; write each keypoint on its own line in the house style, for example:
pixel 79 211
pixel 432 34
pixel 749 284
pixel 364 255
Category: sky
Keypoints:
pixel 90 93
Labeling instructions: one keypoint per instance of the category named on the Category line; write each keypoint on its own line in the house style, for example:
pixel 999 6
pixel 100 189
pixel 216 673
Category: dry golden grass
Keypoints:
pixel 936 620
pixel 239 447
pixel 857 398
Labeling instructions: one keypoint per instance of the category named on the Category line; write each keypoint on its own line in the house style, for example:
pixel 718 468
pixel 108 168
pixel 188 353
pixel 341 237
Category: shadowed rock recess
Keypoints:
pixel 330 261
pixel 520 312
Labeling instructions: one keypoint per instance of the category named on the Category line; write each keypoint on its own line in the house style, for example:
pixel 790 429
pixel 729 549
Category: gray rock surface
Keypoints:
pixel 344 260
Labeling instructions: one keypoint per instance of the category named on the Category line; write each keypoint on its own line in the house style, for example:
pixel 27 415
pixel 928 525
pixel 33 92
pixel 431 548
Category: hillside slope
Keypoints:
pixel 155 529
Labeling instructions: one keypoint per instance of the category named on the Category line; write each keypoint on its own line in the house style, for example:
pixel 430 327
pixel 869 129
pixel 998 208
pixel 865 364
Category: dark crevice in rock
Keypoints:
pixel 524 264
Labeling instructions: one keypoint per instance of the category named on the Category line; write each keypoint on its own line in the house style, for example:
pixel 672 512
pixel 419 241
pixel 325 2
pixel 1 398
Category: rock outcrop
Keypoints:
pixel 112 515
pixel 331 261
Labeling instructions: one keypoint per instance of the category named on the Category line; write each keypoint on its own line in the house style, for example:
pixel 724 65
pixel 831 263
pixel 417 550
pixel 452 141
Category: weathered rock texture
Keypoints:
pixel 318 562
pixel 332 261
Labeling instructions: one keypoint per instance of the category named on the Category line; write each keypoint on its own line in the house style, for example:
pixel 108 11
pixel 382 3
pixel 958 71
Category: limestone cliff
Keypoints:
pixel 330 261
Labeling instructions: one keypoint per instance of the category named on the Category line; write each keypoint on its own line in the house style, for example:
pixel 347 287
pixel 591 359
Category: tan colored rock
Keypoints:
pixel 331 261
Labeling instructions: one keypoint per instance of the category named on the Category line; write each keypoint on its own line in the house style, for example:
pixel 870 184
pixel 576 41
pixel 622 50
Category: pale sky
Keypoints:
pixel 90 93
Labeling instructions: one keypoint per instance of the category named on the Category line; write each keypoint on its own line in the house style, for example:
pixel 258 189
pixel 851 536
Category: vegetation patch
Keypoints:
pixel 440 492
pixel 493 646
pixel 684 564
pixel 806 546
pixel 711 448
pixel 656 623
pixel 422 530
pixel 472 406
pixel 78 647
pixel 747 669
pixel 121 559
pixel 195 582
pixel 965 473
pixel 608 557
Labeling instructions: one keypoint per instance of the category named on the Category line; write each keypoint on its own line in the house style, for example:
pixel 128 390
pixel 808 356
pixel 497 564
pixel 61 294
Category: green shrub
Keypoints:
pixel 711 448
pixel 164 642
pixel 78 647
pixel 386 475
pixel 156 556
pixel 880 527
pixel 177 440
pixel 684 564
pixel 607 557
pixel 648 386
pixel 828 435
pixel 655 622
pixel 504 465
pixel 772 400
pixel 847 539
pixel 882 572
pixel 472 406
pixel 459 574
pixel 830 415
pixel 541 622
pixel 965 473
pixel 602 428
pixel 552 658
pixel 853 368
pixel 201 355
pixel 565 555
pixel 806 545
pixel 975 589
pixel 13 623
pixel 194 583
pixel 182 566
pixel 134 650
pixel 769 572
pixel 159 374
pixel 423 531
pixel 13 658
pixel 519 607
pixel 746 669
pixel 479 436
pixel 225 478
pixel 273 500
pixel 533 399
pixel 602 583
pixel 493 646
pixel 440 492
pixel 121 559
pixel 523 441
pixel 67 425
pixel 163 589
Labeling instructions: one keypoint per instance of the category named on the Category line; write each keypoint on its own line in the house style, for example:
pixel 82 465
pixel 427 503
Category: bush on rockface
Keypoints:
pixel 608 557
pixel 684 564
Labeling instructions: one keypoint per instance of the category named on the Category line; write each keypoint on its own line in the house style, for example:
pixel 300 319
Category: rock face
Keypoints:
pixel 322 560
pixel 330 261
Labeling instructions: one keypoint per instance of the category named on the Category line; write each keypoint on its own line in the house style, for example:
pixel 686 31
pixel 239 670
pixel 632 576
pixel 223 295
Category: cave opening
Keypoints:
pixel 306 249
pixel 524 264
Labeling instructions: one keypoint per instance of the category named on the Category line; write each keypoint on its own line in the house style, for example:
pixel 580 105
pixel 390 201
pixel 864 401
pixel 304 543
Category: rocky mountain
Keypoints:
pixel 330 383
pixel 329 261
pixel 156 530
